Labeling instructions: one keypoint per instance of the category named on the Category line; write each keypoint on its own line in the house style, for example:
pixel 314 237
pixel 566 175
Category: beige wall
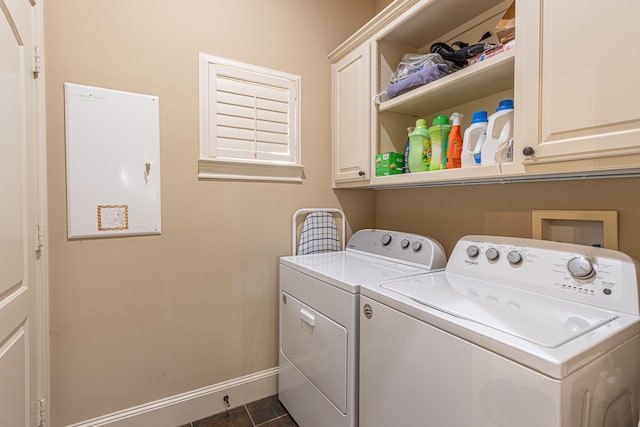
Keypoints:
pixel 135 319
pixel 448 213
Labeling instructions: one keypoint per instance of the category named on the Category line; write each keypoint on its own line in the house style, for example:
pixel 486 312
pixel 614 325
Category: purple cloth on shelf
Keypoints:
pixel 419 78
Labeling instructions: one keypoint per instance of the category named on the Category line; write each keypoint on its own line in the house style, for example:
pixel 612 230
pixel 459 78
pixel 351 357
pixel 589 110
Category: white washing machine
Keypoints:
pixel 514 333
pixel 319 303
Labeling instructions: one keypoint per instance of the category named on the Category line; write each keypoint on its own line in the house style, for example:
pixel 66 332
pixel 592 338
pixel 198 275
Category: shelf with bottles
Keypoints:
pixel 393 135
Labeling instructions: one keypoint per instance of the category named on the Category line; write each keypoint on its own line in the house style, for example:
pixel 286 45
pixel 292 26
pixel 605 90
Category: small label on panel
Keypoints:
pixel 113 217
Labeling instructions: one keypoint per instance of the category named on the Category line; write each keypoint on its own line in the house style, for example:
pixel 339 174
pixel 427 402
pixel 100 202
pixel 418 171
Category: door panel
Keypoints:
pixel 580 85
pixel 19 369
pixel 13 371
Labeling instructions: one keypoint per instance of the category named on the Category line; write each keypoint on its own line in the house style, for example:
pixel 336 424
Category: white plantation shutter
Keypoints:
pixel 249 122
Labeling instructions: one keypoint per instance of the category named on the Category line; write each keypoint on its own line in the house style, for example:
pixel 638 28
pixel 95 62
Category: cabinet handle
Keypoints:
pixel 361 173
pixel 528 151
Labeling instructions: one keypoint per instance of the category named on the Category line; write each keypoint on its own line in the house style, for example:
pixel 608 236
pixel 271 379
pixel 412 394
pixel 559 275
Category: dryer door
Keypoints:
pixel 317 346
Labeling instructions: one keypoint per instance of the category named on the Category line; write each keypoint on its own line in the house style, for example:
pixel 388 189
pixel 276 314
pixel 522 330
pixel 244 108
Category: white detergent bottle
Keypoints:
pixel 473 139
pixel 497 146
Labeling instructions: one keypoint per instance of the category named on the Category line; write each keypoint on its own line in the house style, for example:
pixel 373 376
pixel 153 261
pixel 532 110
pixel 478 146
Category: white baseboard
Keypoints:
pixel 192 405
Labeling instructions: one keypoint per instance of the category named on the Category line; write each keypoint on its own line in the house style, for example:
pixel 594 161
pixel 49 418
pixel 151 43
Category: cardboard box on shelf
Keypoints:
pixel 389 164
pixel 506 28
pixel 492 52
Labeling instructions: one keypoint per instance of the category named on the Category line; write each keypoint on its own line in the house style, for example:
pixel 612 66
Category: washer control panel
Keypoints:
pixel 596 276
pixel 404 247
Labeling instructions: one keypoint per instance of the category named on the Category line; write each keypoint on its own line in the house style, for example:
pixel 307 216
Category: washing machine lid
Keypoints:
pixel 349 270
pixel 542 320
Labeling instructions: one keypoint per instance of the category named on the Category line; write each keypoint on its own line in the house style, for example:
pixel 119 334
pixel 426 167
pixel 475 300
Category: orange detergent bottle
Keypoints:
pixel 454 147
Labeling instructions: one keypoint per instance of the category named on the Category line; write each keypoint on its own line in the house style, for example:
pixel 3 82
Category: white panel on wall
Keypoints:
pixel 113 162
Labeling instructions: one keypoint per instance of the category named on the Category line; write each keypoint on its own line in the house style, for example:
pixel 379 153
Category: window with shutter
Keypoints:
pixel 249 122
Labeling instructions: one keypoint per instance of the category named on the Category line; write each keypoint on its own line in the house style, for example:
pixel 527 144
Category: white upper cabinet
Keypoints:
pixel 353 112
pixel 572 75
pixel 351 116
pixel 582 86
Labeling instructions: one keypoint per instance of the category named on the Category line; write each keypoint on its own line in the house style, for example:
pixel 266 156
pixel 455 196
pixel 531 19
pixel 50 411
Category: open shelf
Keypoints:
pixel 476 81
pixel 460 175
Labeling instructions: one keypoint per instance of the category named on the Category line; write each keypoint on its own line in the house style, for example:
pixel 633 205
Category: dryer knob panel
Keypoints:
pixel 399 246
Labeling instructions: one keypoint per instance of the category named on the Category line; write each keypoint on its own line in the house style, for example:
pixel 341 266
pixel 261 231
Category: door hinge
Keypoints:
pixel 38 238
pixel 39 413
pixel 36 61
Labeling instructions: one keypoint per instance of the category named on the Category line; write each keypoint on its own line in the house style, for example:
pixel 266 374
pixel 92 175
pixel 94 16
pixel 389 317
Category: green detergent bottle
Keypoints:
pixel 419 148
pixel 439 136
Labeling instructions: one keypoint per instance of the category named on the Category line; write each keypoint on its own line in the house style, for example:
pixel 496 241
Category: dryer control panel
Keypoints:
pixel 595 276
pixel 405 247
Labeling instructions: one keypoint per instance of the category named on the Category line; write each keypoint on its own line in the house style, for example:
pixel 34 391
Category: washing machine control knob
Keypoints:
pixel 416 246
pixel 492 254
pixel 514 257
pixel 386 239
pixel 473 251
pixel 581 268
pixel 404 244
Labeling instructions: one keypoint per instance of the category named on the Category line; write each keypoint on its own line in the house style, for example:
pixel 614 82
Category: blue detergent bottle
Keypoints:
pixel 473 139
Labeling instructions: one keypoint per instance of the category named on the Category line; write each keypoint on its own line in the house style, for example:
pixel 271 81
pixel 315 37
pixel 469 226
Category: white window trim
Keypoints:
pixel 211 167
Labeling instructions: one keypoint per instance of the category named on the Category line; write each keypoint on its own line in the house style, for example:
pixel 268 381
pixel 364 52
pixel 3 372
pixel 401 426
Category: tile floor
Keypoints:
pixel 267 412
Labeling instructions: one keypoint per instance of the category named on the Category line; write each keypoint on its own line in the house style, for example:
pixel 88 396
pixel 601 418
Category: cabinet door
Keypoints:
pixel 587 102
pixel 351 116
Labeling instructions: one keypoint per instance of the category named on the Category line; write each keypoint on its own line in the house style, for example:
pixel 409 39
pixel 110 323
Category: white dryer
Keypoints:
pixel 514 333
pixel 319 303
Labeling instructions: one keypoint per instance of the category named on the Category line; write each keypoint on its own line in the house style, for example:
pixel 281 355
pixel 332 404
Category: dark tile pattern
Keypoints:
pixel 284 421
pixel 266 409
pixel 267 412
pixel 237 417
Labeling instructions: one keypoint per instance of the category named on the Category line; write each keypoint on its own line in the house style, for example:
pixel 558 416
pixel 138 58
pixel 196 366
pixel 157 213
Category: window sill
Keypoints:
pixel 248 171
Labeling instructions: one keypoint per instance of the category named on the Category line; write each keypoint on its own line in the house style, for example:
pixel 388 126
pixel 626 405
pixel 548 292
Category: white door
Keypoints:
pixel 21 336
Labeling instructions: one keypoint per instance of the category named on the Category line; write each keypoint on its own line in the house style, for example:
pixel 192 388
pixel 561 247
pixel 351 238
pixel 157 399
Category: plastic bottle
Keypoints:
pixel 405 167
pixel 497 146
pixel 473 140
pixel 439 136
pixel 454 146
pixel 419 148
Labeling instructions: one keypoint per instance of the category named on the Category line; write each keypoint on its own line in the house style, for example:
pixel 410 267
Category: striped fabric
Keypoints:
pixel 319 234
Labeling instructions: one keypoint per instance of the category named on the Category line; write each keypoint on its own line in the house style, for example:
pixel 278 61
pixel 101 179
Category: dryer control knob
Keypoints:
pixel 416 246
pixel 492 254
pixel 404 244
pixel 386 239
pixel 581 268
pixel 514 257
pixel 473 251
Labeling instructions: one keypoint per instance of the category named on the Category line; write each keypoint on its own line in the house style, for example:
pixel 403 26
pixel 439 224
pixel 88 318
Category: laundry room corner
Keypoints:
pixel 136 319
